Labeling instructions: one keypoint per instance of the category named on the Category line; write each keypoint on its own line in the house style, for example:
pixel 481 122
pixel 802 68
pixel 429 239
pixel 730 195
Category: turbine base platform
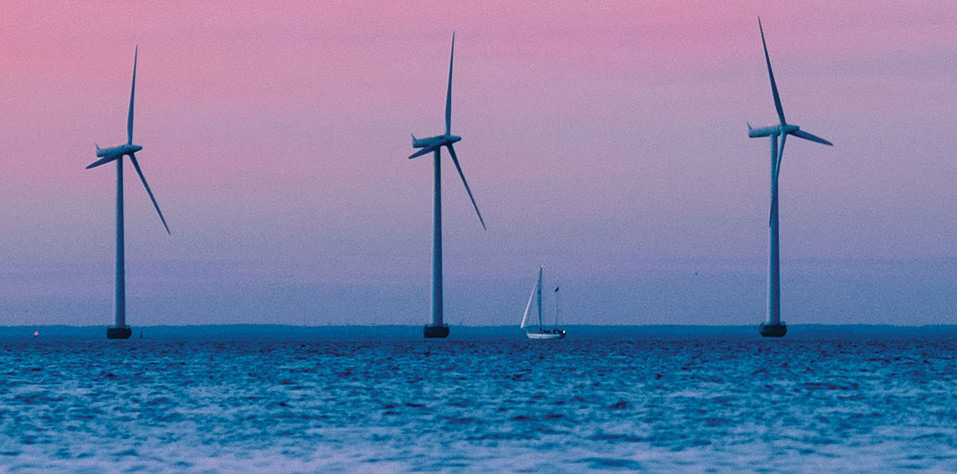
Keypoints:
pixel 114 332
pixel 773 330
pixel 435 332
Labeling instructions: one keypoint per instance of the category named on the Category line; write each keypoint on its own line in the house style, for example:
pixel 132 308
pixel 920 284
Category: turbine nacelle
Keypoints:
pixel 109 155
pixel 772 130
pixel 763 131
pixel 118 150
pixel 436 141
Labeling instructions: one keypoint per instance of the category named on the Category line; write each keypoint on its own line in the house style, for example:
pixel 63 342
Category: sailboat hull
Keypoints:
pixel 557 334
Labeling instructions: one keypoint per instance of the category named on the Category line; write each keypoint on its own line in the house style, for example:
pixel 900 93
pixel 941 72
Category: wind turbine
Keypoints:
pixel 120 330
pixel 774 327
pixel 438 329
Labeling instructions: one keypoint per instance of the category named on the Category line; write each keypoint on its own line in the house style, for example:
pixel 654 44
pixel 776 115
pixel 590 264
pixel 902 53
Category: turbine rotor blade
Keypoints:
pixel 103 161
pixel 129 119
pixel 148 191
pixel 774 87
pixel 455 160
pixel 813 138
pixel 779 158
pixel 774 207
pixel 777 171
pixel 424 151
pixel 448 95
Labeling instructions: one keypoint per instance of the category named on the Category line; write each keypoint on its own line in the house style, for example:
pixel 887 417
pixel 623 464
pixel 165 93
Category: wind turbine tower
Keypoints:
pixel 438 328
pixel 120 330
pixel 773 326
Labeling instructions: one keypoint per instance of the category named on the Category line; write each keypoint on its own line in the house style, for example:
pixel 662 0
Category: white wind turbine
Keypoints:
pixel 774 327
pixel 120 330
pixel 438 329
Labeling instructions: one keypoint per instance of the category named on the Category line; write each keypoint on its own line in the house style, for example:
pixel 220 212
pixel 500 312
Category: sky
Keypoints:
pixel 604 140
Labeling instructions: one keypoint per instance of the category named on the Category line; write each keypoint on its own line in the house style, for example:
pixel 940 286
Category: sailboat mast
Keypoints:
pixel 556 307
pixel 540 270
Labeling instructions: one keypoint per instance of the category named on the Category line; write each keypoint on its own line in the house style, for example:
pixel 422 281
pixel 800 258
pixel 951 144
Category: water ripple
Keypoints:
pixel 497 404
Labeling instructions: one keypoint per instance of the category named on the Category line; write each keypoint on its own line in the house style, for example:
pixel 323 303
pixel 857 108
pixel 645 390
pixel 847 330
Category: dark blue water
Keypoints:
pixel 660 399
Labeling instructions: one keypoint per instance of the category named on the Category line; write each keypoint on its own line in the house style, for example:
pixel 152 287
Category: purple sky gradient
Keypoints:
pixel 605 140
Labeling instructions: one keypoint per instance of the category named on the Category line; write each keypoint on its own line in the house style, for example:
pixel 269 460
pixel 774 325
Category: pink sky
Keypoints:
pixel 598 137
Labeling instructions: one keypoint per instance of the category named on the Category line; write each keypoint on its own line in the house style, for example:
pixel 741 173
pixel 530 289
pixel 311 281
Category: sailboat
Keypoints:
pixel 540 332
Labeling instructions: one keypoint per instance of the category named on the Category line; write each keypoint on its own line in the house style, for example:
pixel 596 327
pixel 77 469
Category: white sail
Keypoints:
pixel 529 305
pixel 531 297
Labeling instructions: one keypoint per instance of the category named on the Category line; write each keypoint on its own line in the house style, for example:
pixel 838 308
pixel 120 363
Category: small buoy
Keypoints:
pixel 35 334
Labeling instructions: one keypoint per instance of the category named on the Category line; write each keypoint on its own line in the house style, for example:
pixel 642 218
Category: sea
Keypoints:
pixel 284 399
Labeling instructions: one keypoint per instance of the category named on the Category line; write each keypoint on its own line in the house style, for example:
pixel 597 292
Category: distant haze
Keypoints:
pixel 604 140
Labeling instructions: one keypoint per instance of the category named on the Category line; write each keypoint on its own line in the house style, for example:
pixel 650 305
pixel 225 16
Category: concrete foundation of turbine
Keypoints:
pixel 773 330
pixel 114 332
pixel 435 332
